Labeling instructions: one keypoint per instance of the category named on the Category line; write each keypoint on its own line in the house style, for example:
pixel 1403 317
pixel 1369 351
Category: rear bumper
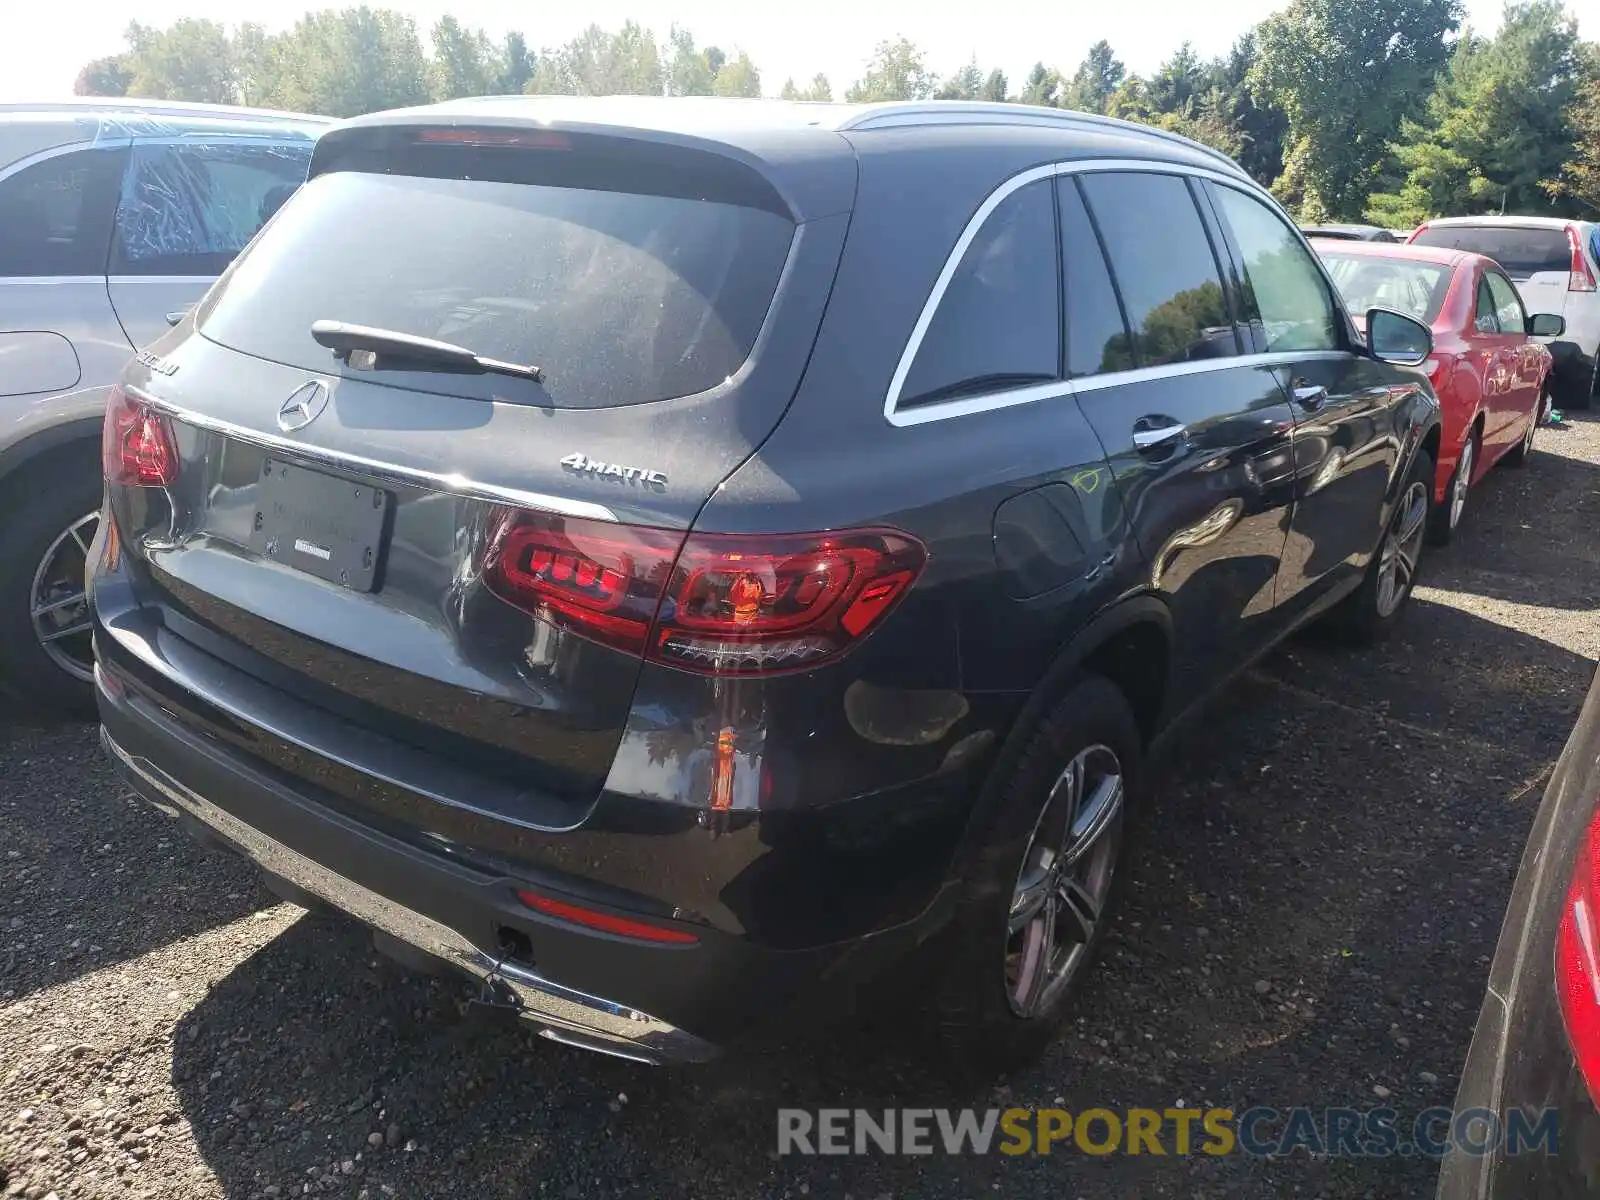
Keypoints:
pixel 566 1014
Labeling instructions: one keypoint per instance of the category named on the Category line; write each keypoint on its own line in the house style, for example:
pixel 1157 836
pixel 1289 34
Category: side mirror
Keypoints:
pixel 1397 338
pixel 1547 325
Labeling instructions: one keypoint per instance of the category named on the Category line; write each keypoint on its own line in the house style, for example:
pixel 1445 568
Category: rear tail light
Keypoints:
pixel 716 604
pixel 591 918
pixel 136 448
pixel 1578 960
pixel 1580 278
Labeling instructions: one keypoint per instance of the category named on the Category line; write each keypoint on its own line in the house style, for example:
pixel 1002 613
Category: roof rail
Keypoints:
pixel 972 112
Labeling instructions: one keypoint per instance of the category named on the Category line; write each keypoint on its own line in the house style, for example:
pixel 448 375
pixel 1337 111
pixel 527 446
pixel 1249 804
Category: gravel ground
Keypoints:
pixel 1314 897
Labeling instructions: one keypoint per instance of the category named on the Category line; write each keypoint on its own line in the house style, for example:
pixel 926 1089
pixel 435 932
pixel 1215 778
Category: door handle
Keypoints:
pixel 1148 435
pixel 1310 396
pixel 175 318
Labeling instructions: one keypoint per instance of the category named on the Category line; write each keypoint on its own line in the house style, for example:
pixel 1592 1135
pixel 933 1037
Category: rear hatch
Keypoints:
pixel 1538 258
pixel 427 581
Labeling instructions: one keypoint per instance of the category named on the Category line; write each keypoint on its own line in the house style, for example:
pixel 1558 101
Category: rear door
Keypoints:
pixel 187 206
pixel 1198 440
pixel 1345 450
pixel 1523 359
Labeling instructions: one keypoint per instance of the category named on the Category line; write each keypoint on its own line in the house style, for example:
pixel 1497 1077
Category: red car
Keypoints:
pixel 1492 379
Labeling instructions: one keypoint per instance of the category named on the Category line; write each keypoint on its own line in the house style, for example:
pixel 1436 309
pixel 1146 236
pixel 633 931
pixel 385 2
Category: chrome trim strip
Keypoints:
pixel 1048 391
pixel 571 1016
pixel 457 485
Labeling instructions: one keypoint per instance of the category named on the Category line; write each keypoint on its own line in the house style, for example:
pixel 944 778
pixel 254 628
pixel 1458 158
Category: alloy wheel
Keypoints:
pixel 58 604
pixel 1461 482
pixel 1061 889
pixel 1397 559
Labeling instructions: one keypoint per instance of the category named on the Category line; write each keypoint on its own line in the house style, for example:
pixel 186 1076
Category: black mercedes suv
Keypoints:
pixel 680 560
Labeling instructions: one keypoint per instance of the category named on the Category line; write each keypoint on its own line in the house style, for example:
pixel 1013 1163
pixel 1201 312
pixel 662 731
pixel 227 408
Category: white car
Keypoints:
pixel 115 216
pixel 1555 264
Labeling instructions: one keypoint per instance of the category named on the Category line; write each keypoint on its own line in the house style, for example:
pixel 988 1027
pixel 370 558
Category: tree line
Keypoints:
pixel 1389 111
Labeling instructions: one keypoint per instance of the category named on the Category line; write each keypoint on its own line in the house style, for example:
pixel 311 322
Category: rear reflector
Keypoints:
pixel 605 922
pixel 715 604
pixel 1578 960
pixel 136 447
pixel 1580 278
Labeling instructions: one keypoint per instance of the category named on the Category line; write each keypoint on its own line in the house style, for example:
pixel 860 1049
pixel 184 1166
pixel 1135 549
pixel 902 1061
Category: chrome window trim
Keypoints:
pixel 1012 397
pixel 455 485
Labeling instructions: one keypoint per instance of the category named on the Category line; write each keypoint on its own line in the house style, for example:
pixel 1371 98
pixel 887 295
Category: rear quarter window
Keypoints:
pixel 55 214
pixel 619 297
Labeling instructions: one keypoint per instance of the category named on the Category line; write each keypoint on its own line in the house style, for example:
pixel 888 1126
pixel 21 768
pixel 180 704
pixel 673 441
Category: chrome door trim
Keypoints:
pixel 990 401
pixel 454 484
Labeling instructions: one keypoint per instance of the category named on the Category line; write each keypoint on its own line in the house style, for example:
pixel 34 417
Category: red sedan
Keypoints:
pixel 1491 377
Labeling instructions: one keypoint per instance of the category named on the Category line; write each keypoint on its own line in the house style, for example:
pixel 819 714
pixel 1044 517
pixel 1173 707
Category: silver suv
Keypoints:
pixel 115 216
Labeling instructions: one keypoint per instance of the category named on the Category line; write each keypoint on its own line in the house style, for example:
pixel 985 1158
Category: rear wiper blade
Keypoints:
pixel 391 348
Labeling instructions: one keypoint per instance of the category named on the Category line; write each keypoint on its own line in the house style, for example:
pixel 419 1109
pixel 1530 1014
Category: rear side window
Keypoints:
pixel 619 297
pixel 1164 266
pixel 1369 281
pixel 1521 251
pixel 1484 317
pixel 1097 336
pixel 55 215
pixel 1507 304
pixel 998 325
pixel 189 208
pixel 1285 295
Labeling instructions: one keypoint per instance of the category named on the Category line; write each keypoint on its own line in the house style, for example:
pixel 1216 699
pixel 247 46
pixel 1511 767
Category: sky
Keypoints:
pixel 45 44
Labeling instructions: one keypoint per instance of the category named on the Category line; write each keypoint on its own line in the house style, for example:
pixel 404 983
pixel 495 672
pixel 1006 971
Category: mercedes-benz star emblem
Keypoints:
pixel 303 407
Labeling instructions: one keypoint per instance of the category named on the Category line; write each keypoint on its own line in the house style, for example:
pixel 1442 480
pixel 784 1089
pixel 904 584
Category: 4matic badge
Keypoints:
pixel 584 465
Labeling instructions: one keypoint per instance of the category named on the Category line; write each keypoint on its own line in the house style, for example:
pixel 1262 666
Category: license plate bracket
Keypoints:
pixel 321 524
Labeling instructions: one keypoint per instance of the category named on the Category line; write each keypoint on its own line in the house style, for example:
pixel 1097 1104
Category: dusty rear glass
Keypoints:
pixel 620 297
pixel 1521 251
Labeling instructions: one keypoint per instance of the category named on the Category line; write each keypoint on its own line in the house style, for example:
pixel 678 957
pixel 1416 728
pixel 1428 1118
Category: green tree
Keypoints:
pixel 1579 179
pixel 1346 73
pixel 1098 76
pixel 191 59
pixel 515 66
pixel 1496 128
pixel 738 77
pixel 107 76
pixel 1043 86
pixel 896 71
pixel 1177 81
pixel 994 87
pixel 689 70
pixel 598 63
pixel 965 84
pixel 255 65
pixel 350 61
pixel 464 61
pixel 1260 127
pixel 820 89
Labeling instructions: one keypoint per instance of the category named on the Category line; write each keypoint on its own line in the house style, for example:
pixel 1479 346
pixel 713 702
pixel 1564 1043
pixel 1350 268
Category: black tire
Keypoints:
pixel 1581 391
pixel 1362 616
pixel 979 1032
pixel 1440 531
pixel 1521 454
pixel 48 497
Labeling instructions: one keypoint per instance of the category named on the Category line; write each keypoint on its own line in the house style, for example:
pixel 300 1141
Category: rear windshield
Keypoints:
pixel 1417 289
pixel 1522 252
pixel 619 297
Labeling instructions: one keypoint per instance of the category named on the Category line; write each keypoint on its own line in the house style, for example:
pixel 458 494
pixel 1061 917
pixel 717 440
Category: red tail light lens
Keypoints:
pixel 1580 278
pixel 605 922
pixel 1578 960
pixel 712 603
pixel 136 448
pixel 602 580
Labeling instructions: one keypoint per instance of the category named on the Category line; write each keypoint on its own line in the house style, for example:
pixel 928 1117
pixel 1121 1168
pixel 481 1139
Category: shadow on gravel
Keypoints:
pixel 1311 901
pixel 90 876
